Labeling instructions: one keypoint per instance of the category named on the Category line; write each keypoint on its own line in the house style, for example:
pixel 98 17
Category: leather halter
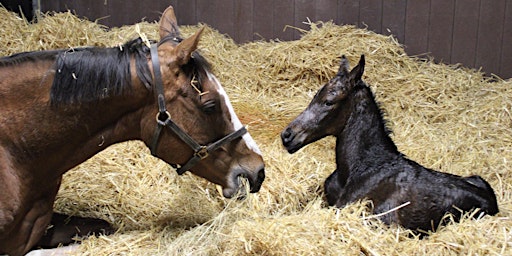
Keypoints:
pixel 163 119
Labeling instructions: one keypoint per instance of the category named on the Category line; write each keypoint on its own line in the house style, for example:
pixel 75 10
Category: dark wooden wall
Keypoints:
pixel 22 7
pixel 476 33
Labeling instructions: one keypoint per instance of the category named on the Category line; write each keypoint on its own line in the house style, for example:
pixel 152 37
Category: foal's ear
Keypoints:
pixel 168 24
pixel 357 71
pixel 344 66
pixel 185 48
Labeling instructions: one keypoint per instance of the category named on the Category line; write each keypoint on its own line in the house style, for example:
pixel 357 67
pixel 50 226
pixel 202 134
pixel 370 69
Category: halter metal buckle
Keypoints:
pixel 202 153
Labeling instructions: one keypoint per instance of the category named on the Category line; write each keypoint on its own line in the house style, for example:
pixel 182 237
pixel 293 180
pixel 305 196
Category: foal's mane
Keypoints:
pixel 362 87
pixel 91 73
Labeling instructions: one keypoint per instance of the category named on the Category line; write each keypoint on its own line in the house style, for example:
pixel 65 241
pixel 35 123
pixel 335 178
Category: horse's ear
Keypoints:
pixel 344 66
pixel 357 72
pixel 185 48
pixel 169 24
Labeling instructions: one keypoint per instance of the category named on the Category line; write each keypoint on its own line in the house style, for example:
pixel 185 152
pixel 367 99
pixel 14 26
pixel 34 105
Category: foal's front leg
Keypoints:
pixel 333 188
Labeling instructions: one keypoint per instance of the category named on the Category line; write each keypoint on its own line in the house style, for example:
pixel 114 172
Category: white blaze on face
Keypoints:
pixel 234 118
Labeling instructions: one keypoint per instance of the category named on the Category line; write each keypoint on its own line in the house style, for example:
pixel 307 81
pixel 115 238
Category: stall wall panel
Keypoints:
pixel 476 33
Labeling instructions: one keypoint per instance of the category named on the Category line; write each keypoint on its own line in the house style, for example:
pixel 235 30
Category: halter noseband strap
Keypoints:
pixel 163 118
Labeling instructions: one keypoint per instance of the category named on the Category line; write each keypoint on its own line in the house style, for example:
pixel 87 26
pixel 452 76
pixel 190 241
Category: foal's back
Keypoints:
pixel 428 195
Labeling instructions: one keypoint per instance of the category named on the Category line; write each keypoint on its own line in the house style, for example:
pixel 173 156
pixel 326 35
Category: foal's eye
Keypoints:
pixel 209 107
pixel 329 102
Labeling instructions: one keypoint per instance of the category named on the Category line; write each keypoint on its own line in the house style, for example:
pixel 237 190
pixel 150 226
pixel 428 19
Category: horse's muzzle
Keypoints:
pixel 255 180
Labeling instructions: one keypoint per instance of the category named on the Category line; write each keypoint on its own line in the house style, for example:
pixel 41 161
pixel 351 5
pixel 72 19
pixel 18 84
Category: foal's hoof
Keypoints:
pixel 65 229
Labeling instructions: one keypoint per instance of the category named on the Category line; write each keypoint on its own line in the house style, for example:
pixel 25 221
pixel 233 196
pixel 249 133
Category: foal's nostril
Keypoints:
pixel 285 133
pixel 287 136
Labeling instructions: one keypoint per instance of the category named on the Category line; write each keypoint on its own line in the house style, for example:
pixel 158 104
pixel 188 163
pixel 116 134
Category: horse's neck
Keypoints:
pixel 111 121
pixel 60 137
pixel 364 140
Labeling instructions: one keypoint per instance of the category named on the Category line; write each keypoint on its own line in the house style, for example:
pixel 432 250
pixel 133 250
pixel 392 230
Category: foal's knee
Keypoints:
pixel 332 188
pixel 486 197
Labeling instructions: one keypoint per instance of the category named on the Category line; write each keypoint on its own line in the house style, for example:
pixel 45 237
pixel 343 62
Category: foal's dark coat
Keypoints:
pixel 369 164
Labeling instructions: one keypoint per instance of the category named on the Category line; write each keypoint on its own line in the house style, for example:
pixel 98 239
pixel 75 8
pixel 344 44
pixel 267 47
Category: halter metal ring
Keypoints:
pixel 160 120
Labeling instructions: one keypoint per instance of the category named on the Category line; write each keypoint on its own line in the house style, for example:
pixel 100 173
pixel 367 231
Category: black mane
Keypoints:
pixel 28 56
pixel 362 87
pixel 90 74
pixel 198 66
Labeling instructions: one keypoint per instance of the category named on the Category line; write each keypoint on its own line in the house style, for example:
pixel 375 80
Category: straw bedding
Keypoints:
pixel 445 117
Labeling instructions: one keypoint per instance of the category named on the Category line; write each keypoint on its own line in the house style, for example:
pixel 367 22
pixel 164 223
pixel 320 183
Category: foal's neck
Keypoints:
pixel 364 141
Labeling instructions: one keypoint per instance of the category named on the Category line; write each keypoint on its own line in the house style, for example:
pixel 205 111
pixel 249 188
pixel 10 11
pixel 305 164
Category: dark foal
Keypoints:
pixel 369 164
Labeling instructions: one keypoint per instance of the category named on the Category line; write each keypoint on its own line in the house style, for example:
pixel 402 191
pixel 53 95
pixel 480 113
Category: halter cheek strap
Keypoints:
pixel 163 119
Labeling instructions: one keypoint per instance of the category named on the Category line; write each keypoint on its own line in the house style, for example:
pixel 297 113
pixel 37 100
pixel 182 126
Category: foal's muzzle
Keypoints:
pixel 288 139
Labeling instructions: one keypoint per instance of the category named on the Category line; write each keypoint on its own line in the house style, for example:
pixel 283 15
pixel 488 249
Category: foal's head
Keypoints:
pixel 327 112
pixel 197 103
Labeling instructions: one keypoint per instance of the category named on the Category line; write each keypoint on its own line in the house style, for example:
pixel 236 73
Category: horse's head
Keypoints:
pixel 327 112
pixel 196 127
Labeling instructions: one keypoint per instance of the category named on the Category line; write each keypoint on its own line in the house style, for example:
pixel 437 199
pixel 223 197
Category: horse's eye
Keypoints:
pixel 209 107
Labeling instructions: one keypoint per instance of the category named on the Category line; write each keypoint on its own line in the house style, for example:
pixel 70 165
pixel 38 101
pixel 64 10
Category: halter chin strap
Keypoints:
pixel 163 119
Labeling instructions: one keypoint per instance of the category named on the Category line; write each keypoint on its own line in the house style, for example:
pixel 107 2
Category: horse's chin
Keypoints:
pixel 241 182
pixel 239 193
pixel 230 192
pixel 241 187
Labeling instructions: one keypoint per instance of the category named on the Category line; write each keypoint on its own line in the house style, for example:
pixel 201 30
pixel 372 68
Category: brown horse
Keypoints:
pixel 61 107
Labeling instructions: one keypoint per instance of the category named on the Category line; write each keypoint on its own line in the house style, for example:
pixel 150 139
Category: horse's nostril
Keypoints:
pixel 261 175
pixel 258 181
